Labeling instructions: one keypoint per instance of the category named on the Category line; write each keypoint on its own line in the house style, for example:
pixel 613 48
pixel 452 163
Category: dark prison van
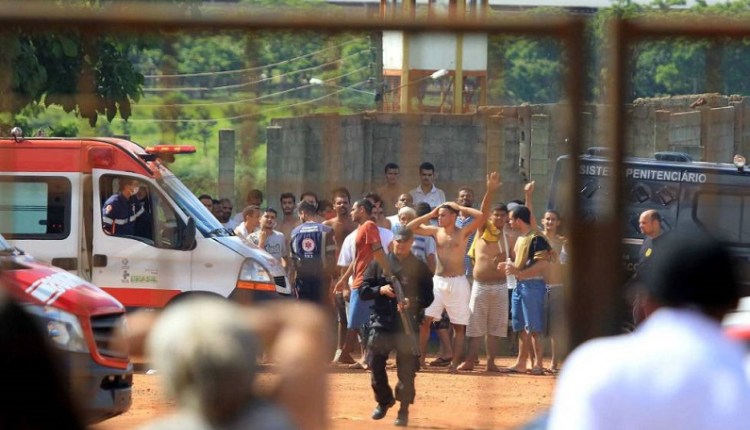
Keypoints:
pixel 687 194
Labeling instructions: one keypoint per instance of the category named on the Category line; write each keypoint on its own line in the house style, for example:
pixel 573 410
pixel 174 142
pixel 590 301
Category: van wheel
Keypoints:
pixel 191 295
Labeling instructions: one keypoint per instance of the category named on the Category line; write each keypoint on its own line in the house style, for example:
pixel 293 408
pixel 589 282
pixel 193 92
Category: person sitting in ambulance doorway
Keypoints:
pixel 120 211
pixel 144 227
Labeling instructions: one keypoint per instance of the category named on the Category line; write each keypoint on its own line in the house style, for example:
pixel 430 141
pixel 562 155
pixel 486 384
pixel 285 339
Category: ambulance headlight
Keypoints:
pixel 62 328
pixel 253 271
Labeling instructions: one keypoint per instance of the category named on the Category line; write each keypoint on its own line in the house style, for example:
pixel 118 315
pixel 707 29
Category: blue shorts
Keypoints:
pixel 527 306
pixel 359 311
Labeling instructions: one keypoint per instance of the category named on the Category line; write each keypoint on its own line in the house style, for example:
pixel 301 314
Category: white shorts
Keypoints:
pixel 451 294
pixel 489 310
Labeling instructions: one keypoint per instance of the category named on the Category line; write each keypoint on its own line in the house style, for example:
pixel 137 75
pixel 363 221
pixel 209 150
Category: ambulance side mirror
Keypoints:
pixel 188 235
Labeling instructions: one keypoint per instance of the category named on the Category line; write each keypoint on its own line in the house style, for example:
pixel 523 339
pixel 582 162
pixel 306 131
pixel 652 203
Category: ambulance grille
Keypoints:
pixel 104 328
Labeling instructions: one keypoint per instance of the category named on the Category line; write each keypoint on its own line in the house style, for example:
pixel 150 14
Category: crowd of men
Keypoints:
pixel 451 259
pixel 396 264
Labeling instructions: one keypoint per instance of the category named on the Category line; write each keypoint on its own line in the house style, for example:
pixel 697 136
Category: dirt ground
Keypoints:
pixel 468 400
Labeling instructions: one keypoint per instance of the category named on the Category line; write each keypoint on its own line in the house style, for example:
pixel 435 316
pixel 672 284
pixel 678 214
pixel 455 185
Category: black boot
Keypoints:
pixel 402 420
pixel 381 409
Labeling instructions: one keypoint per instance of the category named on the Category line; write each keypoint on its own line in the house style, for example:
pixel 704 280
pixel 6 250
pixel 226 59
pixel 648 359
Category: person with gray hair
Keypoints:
pixel 404 201
pixel 678 370
pixel 206 350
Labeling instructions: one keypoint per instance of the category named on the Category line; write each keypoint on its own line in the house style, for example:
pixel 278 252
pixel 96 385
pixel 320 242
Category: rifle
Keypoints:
pixel 405 319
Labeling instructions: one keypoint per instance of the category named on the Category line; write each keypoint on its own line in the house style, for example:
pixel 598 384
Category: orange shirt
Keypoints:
pixel 367 235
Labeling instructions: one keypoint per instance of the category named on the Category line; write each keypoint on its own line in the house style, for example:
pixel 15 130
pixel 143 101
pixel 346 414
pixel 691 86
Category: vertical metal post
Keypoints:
pixel 377 41
pixel 226 163
pixel 405 92
pixel 458 76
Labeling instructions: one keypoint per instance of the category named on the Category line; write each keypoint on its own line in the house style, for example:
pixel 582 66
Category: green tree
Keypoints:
pixel 89 75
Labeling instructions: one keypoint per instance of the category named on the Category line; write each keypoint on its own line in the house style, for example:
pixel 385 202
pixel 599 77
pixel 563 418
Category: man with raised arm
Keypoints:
pixel 489 295
pixel 451 288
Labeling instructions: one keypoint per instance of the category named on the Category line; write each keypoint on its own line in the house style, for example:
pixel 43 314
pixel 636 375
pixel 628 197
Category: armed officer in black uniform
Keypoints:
pixel 387 329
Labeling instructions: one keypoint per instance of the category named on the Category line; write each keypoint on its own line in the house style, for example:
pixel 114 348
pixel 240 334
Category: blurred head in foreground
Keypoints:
pixel 693 270
pixel 206 354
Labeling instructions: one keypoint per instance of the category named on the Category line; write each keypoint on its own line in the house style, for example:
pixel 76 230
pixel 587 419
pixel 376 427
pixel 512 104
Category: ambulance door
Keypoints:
pixel 150 267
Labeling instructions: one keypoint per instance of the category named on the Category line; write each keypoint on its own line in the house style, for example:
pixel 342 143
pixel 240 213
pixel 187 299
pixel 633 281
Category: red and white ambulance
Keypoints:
pixel 82 321
pixel 51 196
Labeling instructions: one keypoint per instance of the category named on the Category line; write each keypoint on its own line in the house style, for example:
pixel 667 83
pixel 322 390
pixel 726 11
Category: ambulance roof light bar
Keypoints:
pixel 166 152
pixel 171 149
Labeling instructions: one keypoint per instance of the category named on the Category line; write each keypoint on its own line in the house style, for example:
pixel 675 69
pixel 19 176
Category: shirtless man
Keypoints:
pixel 390 190
pixel 489 297
pixel 288 219
pixel 342 225
pixel 554 279
pixel 451 287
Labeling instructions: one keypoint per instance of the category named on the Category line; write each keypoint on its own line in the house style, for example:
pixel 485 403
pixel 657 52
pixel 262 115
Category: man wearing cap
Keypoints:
pixel 387 329
pixel 678 369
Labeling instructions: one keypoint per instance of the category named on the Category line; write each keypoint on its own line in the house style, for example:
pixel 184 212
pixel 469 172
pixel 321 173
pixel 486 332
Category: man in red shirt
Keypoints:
pixel 367 248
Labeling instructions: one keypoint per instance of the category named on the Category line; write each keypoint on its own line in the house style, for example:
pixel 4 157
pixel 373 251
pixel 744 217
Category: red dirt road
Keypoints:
pixel 468 400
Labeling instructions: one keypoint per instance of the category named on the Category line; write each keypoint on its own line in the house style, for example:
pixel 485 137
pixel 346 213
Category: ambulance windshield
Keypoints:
pixel 205 222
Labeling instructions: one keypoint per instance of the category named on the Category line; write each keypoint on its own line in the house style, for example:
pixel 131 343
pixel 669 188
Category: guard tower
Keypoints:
pixel 434 72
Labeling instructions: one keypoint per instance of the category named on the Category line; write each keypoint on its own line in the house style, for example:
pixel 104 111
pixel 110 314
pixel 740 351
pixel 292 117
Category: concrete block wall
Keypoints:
pixel 639 129
pixel 684 130
pixel 320 152
pixel 720 132
pixel 507 136
pixel 540 166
